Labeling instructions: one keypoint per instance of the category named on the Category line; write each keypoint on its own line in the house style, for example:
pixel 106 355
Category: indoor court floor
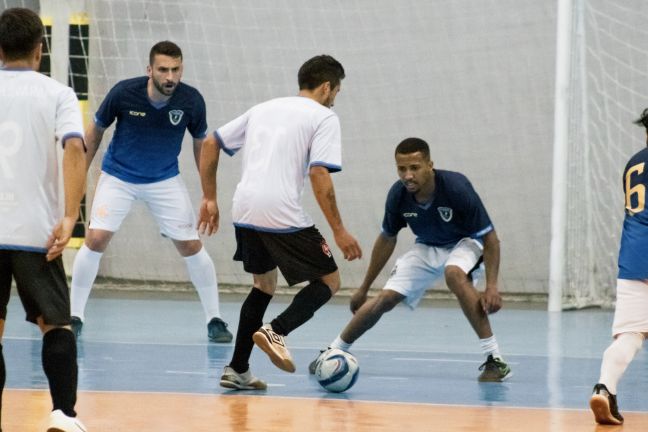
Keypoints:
pixel 145 365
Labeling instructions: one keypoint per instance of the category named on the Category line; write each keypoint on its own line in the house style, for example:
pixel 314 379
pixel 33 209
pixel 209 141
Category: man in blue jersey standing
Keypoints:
pixel 630 326
pixel 454 235
pixel 141 163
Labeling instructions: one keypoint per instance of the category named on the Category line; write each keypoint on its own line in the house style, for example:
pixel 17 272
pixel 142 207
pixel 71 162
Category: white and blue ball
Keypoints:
pixel 337 370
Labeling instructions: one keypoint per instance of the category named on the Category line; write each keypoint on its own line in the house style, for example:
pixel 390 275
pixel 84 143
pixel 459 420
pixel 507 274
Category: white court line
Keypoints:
pixel 384 378
pixel 172 372
pixel 440 360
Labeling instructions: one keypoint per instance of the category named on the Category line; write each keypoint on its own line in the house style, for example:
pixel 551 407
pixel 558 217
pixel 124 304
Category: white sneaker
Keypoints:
pixel 59 422
pixel 245 381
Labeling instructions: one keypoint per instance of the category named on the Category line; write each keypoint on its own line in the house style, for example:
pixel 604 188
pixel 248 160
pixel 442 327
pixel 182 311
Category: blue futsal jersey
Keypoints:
pixel 148 137
pixel 633 254
pixel 454 212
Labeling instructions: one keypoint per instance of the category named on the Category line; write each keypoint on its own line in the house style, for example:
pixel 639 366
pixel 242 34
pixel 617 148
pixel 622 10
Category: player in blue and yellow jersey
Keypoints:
pixel 454 235
pixel 630 326
pixel 141 163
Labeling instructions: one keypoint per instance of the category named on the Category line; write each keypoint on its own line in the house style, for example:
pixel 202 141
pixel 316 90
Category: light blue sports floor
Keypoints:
pixel 156 342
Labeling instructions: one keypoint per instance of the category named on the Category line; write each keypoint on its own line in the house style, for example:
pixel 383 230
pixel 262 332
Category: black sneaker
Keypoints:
pixel 217 331
pixel 494 370
pixel 604 406
pixel 77 326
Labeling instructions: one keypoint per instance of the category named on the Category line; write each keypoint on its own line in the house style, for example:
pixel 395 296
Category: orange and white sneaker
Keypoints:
pixel 274 346
pixel 59 422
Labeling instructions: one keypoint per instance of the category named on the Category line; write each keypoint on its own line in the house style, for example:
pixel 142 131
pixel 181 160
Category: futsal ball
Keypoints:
pixel 337 370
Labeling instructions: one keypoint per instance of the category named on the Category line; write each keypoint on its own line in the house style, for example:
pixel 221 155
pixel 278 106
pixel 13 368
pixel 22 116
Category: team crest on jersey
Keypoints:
pixel 175 116
pixel 445 213
pixel 326 249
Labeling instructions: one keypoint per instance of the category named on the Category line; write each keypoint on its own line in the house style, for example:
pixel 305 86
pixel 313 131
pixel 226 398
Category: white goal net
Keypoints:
pixel 474 79
pixel 608 89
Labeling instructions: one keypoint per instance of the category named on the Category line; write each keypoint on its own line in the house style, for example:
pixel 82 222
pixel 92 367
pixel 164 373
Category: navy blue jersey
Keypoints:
pixel 633 254
pixel 148 139
pixel 455 212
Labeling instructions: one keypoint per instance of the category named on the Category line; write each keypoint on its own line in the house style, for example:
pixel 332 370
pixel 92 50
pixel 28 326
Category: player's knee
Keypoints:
pixel 332 281
pixel 387 300
pixel 97 241
pixel 188 248
pixel 456 278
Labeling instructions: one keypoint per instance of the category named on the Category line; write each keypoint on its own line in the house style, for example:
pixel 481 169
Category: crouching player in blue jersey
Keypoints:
pixel 454 235
pixel 630 326
pixel 141 163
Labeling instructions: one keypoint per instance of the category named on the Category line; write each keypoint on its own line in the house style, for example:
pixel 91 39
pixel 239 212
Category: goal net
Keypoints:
pixel 609 77
pixel 447 72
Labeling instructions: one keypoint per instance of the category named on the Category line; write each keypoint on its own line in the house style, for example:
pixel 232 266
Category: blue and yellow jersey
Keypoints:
pixel 633 254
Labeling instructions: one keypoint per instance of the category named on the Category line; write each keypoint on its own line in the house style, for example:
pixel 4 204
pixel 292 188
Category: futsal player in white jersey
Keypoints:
pixel 283 141
pixel 630 326
pixel 38 114
pixel 141 163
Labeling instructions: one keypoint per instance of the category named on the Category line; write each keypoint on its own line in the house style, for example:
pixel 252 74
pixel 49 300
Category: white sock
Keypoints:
pixel 84 273
pixel 489 347
pixel 617 358
pixel 340 344
pixel 203 276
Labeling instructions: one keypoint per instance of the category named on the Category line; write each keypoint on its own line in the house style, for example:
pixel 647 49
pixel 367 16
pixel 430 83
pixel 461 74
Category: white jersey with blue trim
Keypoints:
pixel 281 139
pixel 36 113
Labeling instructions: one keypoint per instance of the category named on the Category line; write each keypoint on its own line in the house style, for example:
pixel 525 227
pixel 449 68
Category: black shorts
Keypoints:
pixel 300 255
pixel 42 286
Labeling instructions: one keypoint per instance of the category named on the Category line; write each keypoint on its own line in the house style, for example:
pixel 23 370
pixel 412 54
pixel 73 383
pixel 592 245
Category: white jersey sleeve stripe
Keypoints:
pixel 331 167
pixel 227 151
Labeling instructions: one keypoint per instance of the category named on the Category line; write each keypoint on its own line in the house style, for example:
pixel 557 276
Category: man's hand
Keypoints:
pixel 490 300
pixel 348 245
pixel 358 298
pixel 59 237
pixel 208 218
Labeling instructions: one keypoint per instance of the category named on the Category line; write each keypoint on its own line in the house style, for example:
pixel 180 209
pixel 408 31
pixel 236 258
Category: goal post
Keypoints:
pixel 601 76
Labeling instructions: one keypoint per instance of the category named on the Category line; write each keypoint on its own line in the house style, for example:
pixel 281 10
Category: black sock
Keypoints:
pixel 59 357
pixel 3 375
pixel 307 301
pixel 250 319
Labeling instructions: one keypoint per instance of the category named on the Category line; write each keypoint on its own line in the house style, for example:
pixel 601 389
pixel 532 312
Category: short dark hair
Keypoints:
pixel 166 48
pixel 413 145
pixel 318 70
pixel 21 30
pixel 643 120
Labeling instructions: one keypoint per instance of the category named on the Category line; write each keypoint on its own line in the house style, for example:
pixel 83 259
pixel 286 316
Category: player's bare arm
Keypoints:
pixel 93 136
pixel 490 299
pixel 74 178
pixel 197 146
pixel 325 196
pixel 208 218
pixel 383 249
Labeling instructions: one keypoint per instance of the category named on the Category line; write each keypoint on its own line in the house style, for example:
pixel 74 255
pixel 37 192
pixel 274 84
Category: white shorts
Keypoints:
pixel 421 267
pixel 168 201
pixel 631 313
